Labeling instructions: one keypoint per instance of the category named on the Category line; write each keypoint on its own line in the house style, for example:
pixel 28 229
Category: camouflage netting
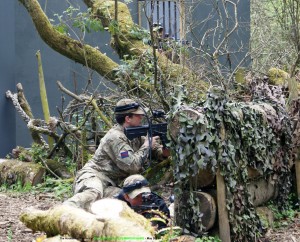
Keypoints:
pixel 232 136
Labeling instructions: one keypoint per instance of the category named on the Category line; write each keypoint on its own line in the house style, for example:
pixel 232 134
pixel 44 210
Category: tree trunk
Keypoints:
pixel 13 171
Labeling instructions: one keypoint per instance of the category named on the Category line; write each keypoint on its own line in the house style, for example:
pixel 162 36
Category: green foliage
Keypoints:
pixel 274 34
pixel 113 27
pixel 9 235
pixel 283 217
pixel 231 136
pixel 62 189
pixel 36 152
pixel 208 239
pixel 137 70
pixel 140 33
pixel 16 187
pixel 73 17
pixel 168 234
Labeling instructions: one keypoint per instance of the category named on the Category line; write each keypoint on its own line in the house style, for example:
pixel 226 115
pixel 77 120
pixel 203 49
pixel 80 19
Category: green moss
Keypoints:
pixel 277 76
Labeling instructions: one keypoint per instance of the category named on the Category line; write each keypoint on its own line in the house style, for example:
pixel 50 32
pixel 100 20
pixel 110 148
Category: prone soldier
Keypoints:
pixel 137 194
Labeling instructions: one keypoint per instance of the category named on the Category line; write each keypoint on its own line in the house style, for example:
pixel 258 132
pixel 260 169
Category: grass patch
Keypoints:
pixel 62 189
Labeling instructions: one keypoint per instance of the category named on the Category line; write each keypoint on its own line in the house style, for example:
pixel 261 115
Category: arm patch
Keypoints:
pixel 124 154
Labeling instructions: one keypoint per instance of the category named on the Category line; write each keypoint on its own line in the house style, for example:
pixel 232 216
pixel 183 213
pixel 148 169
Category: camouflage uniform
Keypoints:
pixel 114 160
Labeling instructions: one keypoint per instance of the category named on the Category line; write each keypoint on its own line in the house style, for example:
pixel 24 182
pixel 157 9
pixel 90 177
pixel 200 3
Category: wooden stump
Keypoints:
pixel 13 171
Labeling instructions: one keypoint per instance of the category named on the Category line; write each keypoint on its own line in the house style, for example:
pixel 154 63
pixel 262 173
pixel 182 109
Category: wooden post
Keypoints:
pixel 297 168
pixel 293 95
pixel 224 227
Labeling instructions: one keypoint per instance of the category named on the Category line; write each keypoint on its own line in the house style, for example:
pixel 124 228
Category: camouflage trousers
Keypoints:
pixel 89 187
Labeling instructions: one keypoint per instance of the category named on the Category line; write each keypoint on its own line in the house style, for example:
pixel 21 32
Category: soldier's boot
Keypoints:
pixel 83 199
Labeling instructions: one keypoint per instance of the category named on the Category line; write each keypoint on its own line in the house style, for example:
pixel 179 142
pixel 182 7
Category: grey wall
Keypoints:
pixel 7 66
pixel 238 43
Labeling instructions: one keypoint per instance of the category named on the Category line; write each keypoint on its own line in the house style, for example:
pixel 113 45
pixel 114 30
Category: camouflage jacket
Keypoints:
pixel 117 157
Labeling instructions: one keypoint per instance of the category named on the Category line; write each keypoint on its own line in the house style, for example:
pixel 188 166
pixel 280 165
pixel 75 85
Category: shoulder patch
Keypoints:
pixel 124 154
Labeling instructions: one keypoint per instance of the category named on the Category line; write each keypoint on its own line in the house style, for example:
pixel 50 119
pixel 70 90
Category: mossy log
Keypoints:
pixel 113 221
pixel 266 216
pixel 21 153
pixel 278 77
pixel 13 171
pixel 207 208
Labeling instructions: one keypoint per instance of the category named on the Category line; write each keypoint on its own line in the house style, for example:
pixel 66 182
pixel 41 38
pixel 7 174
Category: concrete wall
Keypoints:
pixel 206 15
pixel 7 76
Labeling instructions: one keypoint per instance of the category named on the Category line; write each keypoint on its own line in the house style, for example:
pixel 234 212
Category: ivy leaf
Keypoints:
pixel 232 183
pixel 207 152
pixel 182 119
pixel 200 162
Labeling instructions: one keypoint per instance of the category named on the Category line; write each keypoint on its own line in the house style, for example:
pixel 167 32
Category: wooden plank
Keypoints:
pixel 297 168
pixel 224 227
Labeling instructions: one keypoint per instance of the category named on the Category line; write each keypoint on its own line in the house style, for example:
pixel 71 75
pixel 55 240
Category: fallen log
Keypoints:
pixel 13 171
pixel 113 221
pixel 207 209
pixel 261 191
pixel 206 177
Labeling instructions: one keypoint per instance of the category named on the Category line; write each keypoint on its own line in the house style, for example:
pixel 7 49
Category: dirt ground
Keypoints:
pixel 12 230
pixel 11 205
